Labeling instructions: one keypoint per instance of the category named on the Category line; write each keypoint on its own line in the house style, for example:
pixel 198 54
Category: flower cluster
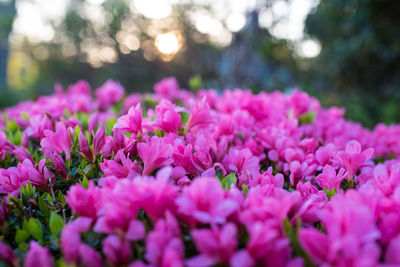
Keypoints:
pixel 211 178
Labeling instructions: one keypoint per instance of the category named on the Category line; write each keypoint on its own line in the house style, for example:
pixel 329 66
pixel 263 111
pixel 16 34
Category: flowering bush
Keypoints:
pixel 182 179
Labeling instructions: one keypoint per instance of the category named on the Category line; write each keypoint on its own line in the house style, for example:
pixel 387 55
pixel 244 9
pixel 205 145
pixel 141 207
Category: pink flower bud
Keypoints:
pixel 98 140
pixel 38 256
pixel 59 165
pixel 84 147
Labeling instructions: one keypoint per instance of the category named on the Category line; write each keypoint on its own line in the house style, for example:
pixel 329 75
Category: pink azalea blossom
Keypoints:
pixel 155 154
pixel 58 141
pixel 353 158
pixel 123 170
pixel 6 254
pixel 84 202
pixel 167 88
pixel 167 118
pixel 109 93
pixel 116 250
pixel 215 245
pixel 131 122
pixel 163 245
pixel 205 201
pixel 38 256
pixel 200 116
pixel 99 140
pixel 329 179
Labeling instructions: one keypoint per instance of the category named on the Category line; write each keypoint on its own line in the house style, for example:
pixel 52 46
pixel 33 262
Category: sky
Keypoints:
pixel 35 17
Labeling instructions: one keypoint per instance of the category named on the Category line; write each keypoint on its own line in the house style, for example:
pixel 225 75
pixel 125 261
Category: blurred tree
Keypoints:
pixel 360 58
pixel 7 14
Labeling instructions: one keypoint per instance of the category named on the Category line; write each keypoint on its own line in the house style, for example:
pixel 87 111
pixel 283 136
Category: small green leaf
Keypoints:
pixel 56 223
pixel 12 125
pixel 77 132
pixel 331 193
pixel 245 189
pixel 228 181
pixel 44 208
pixel 307 117
pixel 184 117
pixel 195 82
pixel 61 198
pixel 35 229
pixel 159 133
pixel 21 236
pixel 84 182
pixel 25 116
pixel 67 114
pixel 27 190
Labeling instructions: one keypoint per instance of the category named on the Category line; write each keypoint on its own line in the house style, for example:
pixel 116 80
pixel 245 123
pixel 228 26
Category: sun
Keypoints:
pixel 168 43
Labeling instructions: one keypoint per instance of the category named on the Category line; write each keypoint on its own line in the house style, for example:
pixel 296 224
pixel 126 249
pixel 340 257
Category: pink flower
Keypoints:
pixel 84 202
pixel 351 236
pixel 58 141
pixel 84 147
pixel 132 122
pixel 163 245
pixel 325 154
pixel 109 93
pixel 117 251
pixel 89 256
pixel 37 178
pixel 392 255
pixel 216 245
pixel 12 179
pixel 200 116
pixel 7 254
pixel 167 118
pixel 205 201
pixel 329 179
pixel 160 193
pixel 71 239
pixel 5 147
pixel 243 163
pixel 386 179
pixel 353 158
pixel 167 88
pixel 21 154
pixel 59 165
pixel 302 103
pixel 98 140
pixel 155 154
pixel 38 256
pixel 128 168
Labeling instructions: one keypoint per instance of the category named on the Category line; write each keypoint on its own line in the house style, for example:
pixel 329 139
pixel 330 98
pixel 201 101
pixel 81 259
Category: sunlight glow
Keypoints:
pixel 168 43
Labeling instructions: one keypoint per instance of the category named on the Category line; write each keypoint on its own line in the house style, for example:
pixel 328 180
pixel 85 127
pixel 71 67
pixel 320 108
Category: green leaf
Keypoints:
pixel 331 193
pixel 245 189
pixel 12 125
pixel 184 117
pixel 67 114
pixel 307 117
pixel 21 236
pixel 44 208
pixel 35 229
pixel 195 82
pixel 77 131
pixel 61 198
pixel 84 182
pixel 228 181
pixel 56 223
pixel 28 190
pixel 159 133
pixel 25 116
